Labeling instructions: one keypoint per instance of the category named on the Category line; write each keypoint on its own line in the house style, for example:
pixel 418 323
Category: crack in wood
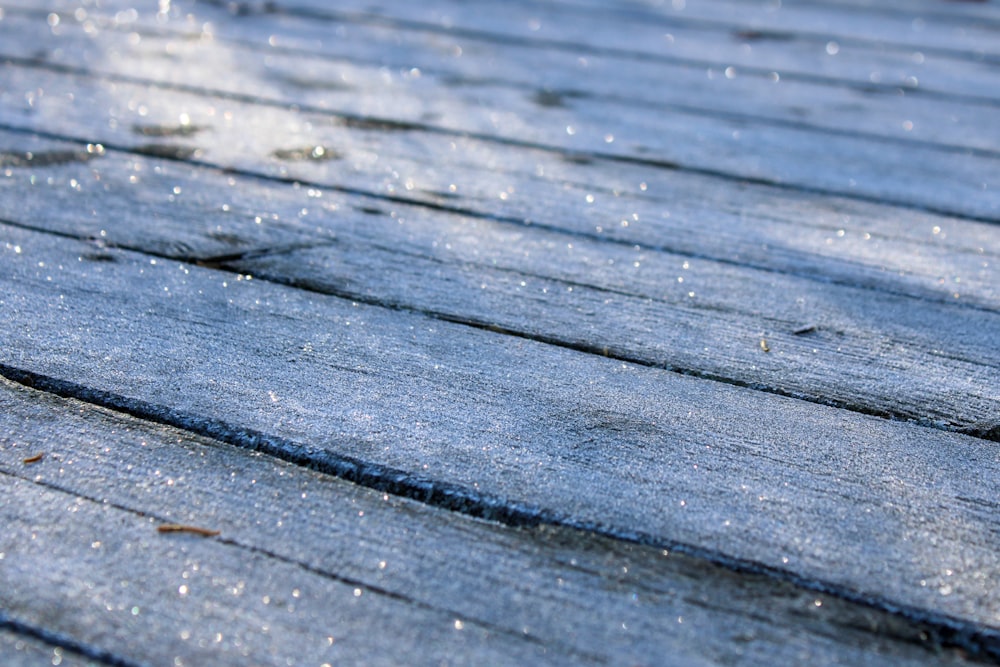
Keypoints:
pixel 65 642
pixel 227 261
pixel 168 151
pixel 307 154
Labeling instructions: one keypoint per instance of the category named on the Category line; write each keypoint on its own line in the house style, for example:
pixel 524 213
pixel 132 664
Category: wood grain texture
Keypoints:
pixel 725 147
pixel 880 247
pixel 490 423
pixel 114 582
pixel 922 26
pixel 948 8
pixel 22 650
pixel 312 558
pixel 365 62
pixel 444 303
pixel 858 348
pixel 885 55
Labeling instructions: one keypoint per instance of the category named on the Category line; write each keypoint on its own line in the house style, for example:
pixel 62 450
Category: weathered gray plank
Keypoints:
pixel 412 426
pixel 895 513
pixel 306 542
pixel 869 351
pixel 20 650
pixel 111 580
pixel 864 66
pixel 887 58
pixel 874 354
pixel 788 155
pixel 290 57
pixel 828 238
pixel 794 157
pixel 935 8
pixel 928 27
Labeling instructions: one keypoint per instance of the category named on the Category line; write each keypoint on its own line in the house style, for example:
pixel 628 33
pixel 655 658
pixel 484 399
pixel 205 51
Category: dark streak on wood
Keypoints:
pixel 181 130
pixel 379 124
pixel 311 153
pixel 762 35
pixel 167 151
pixel 70 649
pixel 98 257
pixel 549 99
pixel 184 528
pixel 43 159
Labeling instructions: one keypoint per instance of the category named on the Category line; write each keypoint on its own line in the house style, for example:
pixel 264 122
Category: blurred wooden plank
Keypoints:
pixel 884 56
pixel 309 558
pixel 23 650
pixel 795 158
pixel 294 58
pixel 950 27
pixel 500 426
pixel 828 239
pixel 955 10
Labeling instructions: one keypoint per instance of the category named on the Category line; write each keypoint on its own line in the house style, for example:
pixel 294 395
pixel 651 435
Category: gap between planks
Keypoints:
pixel 446 494
pixel 363 121
pixel 505 33
pixel 191 459
pixel 372 50
pixel 937 628
pixel 238 263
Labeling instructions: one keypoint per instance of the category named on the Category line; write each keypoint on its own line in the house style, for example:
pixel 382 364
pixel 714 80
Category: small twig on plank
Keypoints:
pixel 34 459
pixel 181 528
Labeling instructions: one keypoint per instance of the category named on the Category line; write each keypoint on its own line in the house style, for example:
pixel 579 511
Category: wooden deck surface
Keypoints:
pixel 622 332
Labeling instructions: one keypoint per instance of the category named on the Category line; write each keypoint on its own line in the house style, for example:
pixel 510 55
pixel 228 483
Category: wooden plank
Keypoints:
pixel 21 650
pixel 489 424
pixel 524 195
pixel 931 27
pixel 641 36
pixel 832 239
pixel 296 61
pixel 952 10
pixel 296 546
pixel 857 348
pixel 505 427
pixel 113 581
pixel 726 148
